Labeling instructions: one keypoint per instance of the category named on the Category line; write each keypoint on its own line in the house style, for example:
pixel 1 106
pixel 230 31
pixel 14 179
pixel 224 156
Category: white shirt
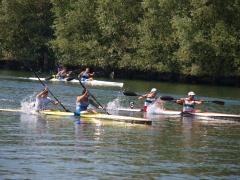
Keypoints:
pixel 41 103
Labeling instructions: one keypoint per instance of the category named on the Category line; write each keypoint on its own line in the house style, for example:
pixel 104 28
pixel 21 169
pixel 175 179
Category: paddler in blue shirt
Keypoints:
pixel 149 98
pixel 82 103
pixel 86 75
pixel 189 102
pixel 42 100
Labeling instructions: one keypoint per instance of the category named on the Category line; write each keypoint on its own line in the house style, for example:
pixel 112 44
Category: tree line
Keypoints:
pixel 186 37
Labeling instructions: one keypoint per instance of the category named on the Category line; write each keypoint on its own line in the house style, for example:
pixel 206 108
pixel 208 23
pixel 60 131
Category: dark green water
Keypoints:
pixel 40 147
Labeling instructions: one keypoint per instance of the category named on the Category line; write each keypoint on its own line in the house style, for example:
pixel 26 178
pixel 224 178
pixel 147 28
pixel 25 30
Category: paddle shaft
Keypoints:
pixel 92 96
pixel 49 91
pixel 169 98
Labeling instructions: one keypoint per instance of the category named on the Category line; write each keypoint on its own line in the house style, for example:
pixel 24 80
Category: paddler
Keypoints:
pixel 189 102
pixel 86 75
pixel 82 103
pixel 42 100
pixel 62 74
pixel 149 98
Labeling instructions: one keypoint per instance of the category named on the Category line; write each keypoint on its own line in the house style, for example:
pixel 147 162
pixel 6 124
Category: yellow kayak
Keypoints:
pixel 127 119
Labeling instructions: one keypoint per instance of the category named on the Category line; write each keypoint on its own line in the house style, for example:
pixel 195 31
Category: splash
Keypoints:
pixel 27 104
pixel 156 107
pixel 114 105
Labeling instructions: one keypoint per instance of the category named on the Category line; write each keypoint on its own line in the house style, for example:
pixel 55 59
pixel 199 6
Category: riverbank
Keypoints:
pixel 125 74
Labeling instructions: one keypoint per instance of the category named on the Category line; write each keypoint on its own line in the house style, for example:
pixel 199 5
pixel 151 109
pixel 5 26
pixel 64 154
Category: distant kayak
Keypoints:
pixel 88 83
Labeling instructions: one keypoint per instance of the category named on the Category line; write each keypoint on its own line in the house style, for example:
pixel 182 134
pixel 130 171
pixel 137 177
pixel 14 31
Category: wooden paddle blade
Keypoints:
pixel 129 93
pixel 166 98
pixel 218 102
pixel 49 78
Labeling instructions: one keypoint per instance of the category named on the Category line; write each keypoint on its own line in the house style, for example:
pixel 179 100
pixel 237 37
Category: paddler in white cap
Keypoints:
pixel 149 98
pixel 189 102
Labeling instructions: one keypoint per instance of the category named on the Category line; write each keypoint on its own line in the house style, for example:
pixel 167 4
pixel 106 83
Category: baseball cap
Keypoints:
pixel 153 90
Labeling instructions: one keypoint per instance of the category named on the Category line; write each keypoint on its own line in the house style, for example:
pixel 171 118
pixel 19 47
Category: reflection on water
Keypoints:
pixel 33 123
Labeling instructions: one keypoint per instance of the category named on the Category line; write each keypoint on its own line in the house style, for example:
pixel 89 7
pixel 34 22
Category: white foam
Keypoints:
pixel 155 107
pixel 27 104
pixel 114 105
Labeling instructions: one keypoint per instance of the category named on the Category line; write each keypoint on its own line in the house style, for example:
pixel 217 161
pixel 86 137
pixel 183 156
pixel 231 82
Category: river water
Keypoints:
pixel 40 147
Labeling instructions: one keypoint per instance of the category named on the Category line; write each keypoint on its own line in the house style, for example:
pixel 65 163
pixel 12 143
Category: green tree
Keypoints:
pixel 25 29
pixel 118 23
pixel 208 38
pixel 156 44
pixel 76 32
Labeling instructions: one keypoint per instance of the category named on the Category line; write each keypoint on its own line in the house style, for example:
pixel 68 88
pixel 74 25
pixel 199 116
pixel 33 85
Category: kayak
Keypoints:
pixel 89 83
pixel 212 115
pixel 202 115
pixel 128 119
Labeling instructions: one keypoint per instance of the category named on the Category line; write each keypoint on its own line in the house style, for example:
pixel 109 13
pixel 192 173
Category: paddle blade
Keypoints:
pixel 129 93
pixel 49 78
pixel 70 78
pixel 166 98
pixel 218 102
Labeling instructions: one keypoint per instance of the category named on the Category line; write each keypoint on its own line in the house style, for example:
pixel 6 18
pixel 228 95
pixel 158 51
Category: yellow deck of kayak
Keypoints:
pixel 127 119
pixel 101 116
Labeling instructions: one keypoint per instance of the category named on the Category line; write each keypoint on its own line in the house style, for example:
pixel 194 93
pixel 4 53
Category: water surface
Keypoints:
pixel 40 147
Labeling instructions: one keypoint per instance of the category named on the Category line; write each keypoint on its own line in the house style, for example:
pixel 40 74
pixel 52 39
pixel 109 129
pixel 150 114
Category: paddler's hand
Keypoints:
pixel 57 103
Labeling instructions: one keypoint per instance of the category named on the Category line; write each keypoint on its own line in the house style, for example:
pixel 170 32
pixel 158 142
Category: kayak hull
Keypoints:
pixel 134 120
pixel 170 113
pixel 86 82
pixel 128 119
pixel 203 115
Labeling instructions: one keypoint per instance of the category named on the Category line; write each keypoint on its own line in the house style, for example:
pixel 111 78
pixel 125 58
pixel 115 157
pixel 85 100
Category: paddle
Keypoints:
pixel 169 98
pixel 49 91
pixel 130 93
pixel 49 78
pixel 70 78
pixel 92 96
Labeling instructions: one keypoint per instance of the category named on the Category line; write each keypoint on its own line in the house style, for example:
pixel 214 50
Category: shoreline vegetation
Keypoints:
pixel 122 74
pixel 192 41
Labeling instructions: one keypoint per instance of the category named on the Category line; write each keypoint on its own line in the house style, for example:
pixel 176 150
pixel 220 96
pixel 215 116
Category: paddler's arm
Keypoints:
pixel 91 74
pixel 180 101
pixel 80 75
pixel 143 97
pixel 199 102
pixel 54 102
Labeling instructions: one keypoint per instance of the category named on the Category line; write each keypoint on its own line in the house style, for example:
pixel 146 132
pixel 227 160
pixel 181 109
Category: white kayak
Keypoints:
pixel 128 119
pixel 202 115
pixel 88 83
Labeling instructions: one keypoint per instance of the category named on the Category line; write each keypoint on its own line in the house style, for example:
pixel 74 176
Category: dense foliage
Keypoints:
pixel 188 37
